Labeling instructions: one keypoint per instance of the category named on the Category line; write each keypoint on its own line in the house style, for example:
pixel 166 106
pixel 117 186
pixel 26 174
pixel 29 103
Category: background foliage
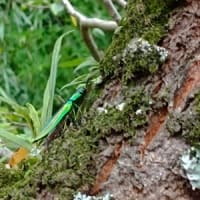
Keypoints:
pixel 28 31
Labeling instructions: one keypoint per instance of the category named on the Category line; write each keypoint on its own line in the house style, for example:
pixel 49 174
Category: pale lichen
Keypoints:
pixel 190 162
pixel 80 196
pixel 143 46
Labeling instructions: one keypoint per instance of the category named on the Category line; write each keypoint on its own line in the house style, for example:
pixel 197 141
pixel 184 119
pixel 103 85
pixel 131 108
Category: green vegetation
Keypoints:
pixel 126 120
pixel 145 19
pixel 187 123
pixel 69 163
pixel 9 177
pixel 65 171
pixel 193 135
pixel 28 31
pixel 28 115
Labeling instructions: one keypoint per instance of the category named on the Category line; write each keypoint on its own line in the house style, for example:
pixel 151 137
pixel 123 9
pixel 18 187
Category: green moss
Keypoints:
pixel 141 59
pixel 146 19
pixel 193 136
pixel 69 162
pixel 124 122
pixel 65 167
pixel 187 123
pixel 8 179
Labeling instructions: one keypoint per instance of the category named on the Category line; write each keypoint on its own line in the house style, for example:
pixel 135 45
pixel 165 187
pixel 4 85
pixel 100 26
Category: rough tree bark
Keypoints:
pixel 148 114
pixel 150 167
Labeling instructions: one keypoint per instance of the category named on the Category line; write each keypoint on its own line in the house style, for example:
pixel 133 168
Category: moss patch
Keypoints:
pixel 187 124
pixel 193 135
pixel 145 19
pixel 8 179
pixel 65 167
pixel 69 163
pixel 121 122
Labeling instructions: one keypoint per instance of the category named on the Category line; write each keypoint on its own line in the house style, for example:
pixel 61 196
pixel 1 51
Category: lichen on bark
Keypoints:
pixel 144 19
pixel 187 123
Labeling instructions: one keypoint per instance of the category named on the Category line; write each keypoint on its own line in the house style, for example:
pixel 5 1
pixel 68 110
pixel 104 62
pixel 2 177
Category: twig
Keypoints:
pixel 112 10
pixel 90 42
pixel 90 22
pixel 87 23
pixel 121 3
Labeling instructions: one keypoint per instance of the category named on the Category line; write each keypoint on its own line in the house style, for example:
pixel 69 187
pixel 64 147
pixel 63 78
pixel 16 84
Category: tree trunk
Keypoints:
pixel 131 140
pixel 149 168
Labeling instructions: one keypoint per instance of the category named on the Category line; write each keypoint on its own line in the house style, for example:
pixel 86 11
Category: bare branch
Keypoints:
pixel 90 42
pixel 112 10
pixel 122 3
pixel 90 22
pixel 87 23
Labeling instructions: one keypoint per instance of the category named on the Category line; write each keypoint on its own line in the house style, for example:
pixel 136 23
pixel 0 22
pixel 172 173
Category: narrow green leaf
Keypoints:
pixel 76 81
pixel 35 119
pixel 90 61
pixel 21 112
pixel 6 99
pixel 71 63
pixel 20 16
pixel 50 87
pixel 2 31
pixel 14 141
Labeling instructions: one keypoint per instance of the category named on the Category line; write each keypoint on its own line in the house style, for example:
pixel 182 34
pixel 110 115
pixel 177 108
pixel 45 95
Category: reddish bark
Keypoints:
pixel 159 176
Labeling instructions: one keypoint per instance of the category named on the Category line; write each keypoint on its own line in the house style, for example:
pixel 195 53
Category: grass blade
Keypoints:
pixel 33 114
pixel 14 141
pixel 50 87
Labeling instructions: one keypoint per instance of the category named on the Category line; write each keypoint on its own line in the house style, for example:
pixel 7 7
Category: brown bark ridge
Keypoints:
pixel 149 168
